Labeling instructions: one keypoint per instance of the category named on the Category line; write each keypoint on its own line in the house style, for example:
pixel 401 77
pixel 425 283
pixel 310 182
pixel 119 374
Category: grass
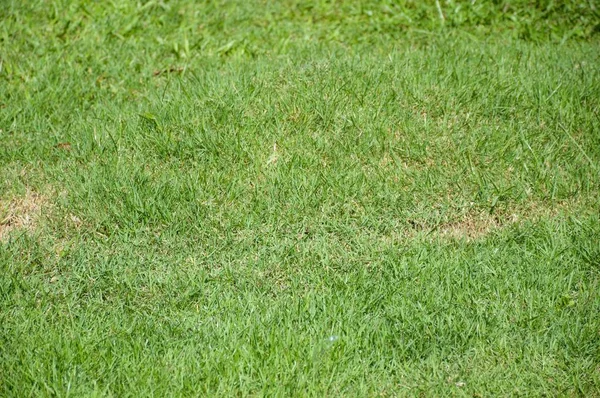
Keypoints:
pixel 273 198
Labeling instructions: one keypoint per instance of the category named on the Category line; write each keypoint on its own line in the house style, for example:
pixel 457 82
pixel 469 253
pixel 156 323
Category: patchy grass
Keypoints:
pixel 277 198
pixel 20 213
pixel 477 223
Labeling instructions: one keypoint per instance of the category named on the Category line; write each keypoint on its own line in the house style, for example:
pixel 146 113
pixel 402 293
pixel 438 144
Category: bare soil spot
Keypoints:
pixel 20 213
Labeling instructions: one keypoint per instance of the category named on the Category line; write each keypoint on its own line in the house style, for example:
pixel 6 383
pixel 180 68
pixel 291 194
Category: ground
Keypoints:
pixel 281 198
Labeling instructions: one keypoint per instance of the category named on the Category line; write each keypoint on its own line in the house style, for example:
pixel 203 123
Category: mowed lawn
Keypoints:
pixel 328 198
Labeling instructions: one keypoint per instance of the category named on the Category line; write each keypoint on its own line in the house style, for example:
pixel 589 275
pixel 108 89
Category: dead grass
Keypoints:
pixel 474 225
pixel 21 213
pixel 477 224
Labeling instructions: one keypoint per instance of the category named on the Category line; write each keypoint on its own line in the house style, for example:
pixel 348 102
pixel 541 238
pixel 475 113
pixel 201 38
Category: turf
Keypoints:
pixel 299 199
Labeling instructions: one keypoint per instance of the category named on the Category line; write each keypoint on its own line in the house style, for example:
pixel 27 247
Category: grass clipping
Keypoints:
pixel 20 213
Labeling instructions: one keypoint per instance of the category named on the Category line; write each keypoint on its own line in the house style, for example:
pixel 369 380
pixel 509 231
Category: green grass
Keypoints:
pixel 273 198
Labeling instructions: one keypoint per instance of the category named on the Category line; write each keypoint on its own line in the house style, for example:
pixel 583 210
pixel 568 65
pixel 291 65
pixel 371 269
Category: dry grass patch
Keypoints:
pixel 21 213
pixel 476 224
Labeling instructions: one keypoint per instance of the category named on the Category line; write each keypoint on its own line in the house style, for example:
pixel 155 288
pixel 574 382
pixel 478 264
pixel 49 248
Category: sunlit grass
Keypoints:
pixel 248 198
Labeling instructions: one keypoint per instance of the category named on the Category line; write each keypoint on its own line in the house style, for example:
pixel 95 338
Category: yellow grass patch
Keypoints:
pixel 20 213
pixel 477 224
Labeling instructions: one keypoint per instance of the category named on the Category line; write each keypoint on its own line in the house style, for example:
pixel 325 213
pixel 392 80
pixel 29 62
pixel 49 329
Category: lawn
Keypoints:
pixel 326 198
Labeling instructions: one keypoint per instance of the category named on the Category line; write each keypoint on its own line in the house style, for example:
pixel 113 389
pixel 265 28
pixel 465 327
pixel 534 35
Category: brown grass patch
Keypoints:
pixel 20 213
pixel 473 226
pixel 477 224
